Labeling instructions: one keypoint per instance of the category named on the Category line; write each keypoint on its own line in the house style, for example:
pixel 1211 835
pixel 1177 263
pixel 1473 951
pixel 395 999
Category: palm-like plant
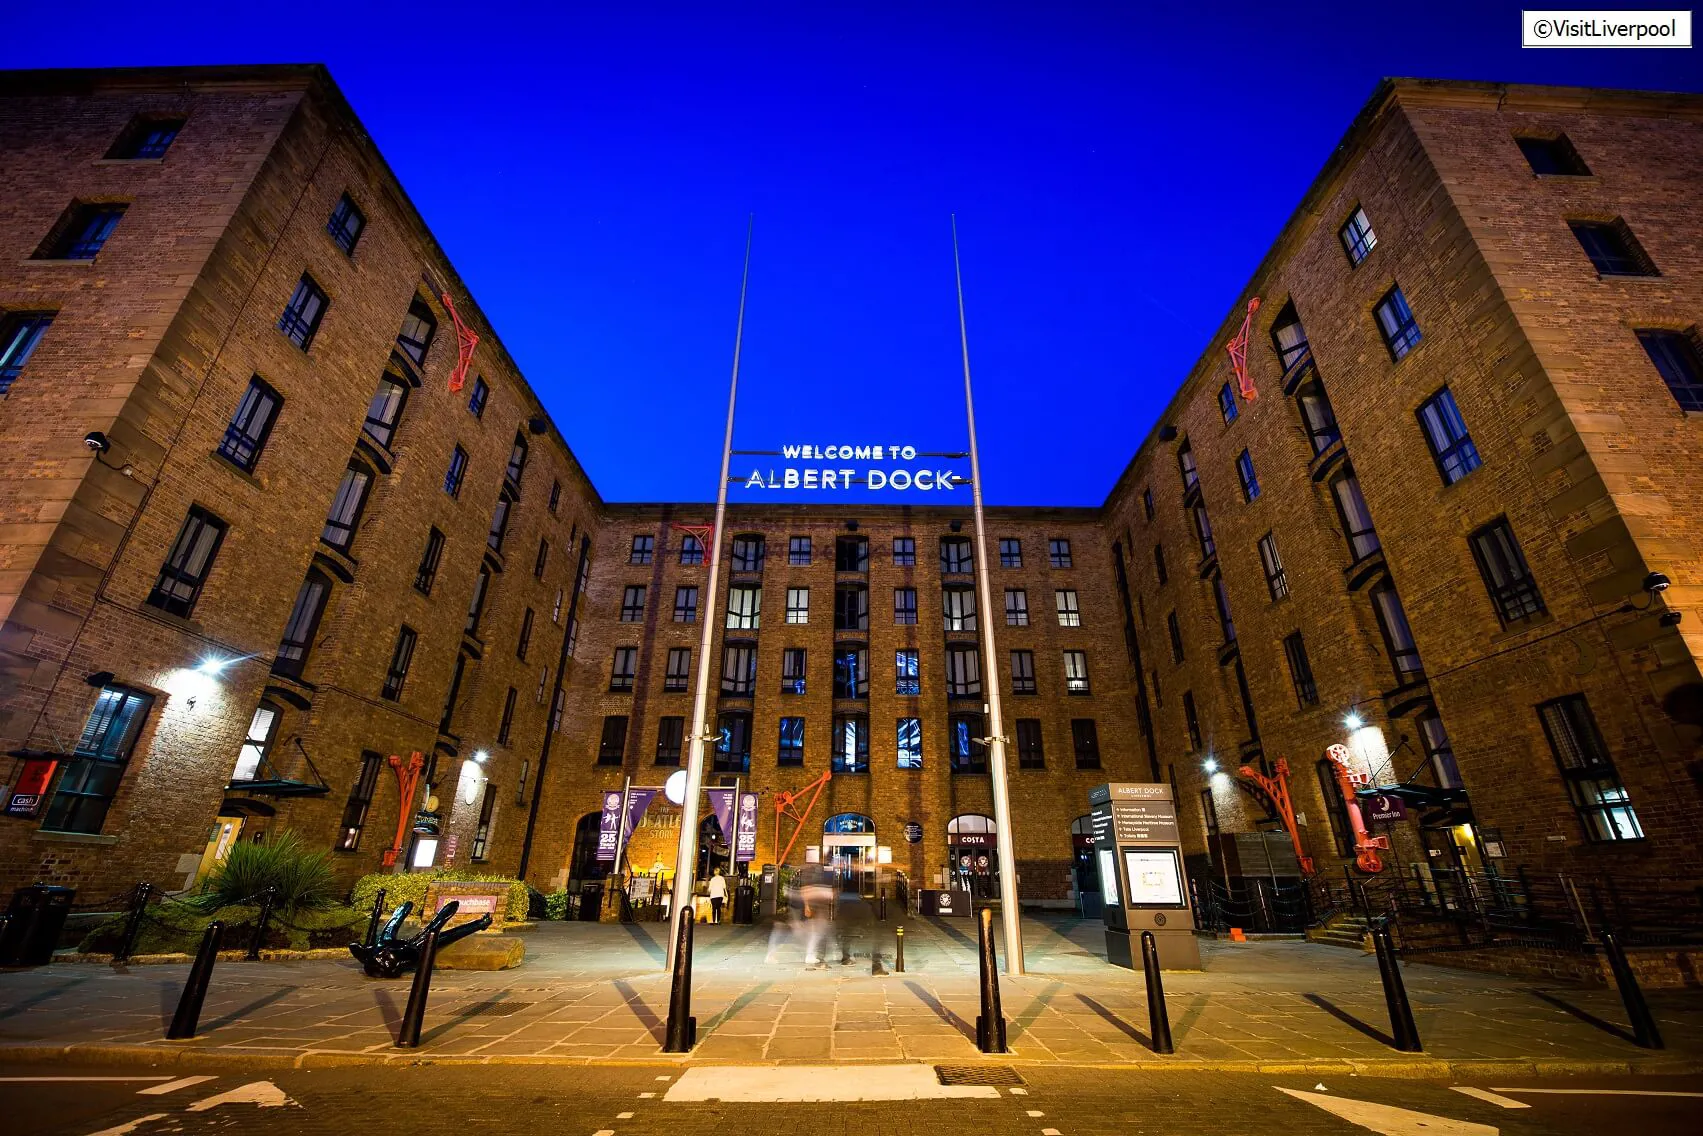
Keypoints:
pixel 303 876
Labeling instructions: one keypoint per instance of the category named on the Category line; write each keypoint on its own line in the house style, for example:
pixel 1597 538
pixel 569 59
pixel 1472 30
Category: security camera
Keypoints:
pixel 96 441
pixel 1655 582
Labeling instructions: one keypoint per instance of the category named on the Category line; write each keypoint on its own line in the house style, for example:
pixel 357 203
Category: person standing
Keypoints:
pixel 717 892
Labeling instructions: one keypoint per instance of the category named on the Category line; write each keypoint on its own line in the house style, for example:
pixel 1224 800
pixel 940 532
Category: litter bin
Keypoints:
pixel 590 902
pixel 34 920
pixel 744 900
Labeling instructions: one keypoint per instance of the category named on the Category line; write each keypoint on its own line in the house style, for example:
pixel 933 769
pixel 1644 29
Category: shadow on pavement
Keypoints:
pixel 1349 1019
pixel 1584 1016
pixel 17 1008
pixel 652 948
pixel 241 1012
pixel 1115 1020
pixel 635 1001
pixel 941 1011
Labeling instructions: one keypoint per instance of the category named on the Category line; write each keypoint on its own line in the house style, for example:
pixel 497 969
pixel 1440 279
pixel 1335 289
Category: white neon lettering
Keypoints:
pixel 755 481
pixel 922 473
pixel 789 451
pixel 877 479
pixel 791 481
pixel 893 479
pixel 828 481
pixel 908 452
pixel 810 479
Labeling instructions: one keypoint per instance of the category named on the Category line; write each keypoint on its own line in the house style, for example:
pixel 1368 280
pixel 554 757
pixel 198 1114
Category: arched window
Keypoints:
pixel 848 822
pixel 1082 826
pixel 973 822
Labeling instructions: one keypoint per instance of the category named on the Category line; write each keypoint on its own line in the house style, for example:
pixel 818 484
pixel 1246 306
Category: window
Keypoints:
pixel 691 550
pixel 1396 324
pixel 262 732
pixel 543 683
pixel 1435 742
pixel 1318 417
pixel 525 641
pixel 685 604
pixel 789 749
pixel 733 743
pixel 623 668
pixel 1551 156
pixel 187 565
pixel 851 554
pixel 1187 469
pixel 959 603
pixel 904 551
pixel 360 800
pixel 1289 340
pixel 1445 433
pixel 963 671
pixel 555 496
pixel 793 664
pixel 907 671
pixel 851 607
pixel 346 224
pixel 517 464
pixel 541 559
pixel 91 778
pixel 1191 719
pixel 1398 637
pixel 476 606
pixel 965 744
pixel 1076 672
pixel 955 554
pixel 1085 740
pixel 1358 239
pixel 81 232
pixel 1030 752
pixel 748 553
pixel 909 742
pixel 1221 597
pixel 457 472
pixel 904 606
pixel 400 658
pixel 1336 811
pixel 249 427
pixel 385 411
pixel 1159 568
pixel 1016 607
pixel 1276 580
pixel 520 783
pixel 1069 614
pixel 674 680
pixel 556 608
pixel 744 607
pixel 798 551
pixel 346 506
pixel 851 743
pixel 1245 474
pixel 1300 671
pixel 1604 808
pixel 418 328
pixel 1010 552
pixel 499 524
pixel 1506 577
pixel 482 830
pixel 633 603
pixel 1613 250
pixel 1023 672
pixel 1209 812
pixel 1203 530
pixel 303 624
pixel 670 739
pixel 851 672
pixel 1674 353
pixel 1176 637
pixel 612 746
pixel 1356 517
pixel 798 605
pixel 1147 502
pixel 642 550
pixel 481 395
pixel 302 315
pixel 1227 404
pixel 145 139
pixel 1058 552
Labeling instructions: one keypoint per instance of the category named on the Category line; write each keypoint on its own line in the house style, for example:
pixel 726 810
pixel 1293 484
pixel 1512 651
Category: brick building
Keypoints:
pixel 293 551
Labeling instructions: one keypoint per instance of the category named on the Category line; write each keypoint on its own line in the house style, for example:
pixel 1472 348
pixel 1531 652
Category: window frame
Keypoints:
pixel 677 672
pixel 642 550
pixel 337 226
pixel 1058 552
pixel 902 609
pixel 789 742
pixel 456 474
pixel 478 397
pixel 798 551
pixel 1010 552
pixel 1358 240
pixel 795 666
pixel 1271 563
pixel 241 437
pixel 1249 480
pixel 670 740
pixel 738 668
pixel 1446 436
pixel 798 606
pixel 1588 772
pixel 623 669
pixel 401 658
pixel 1497 552
pixel 1069 607
pixel 633 598
pixel 1023 672
pixel 298 328
pixel 685 603
pixel 963 670
pixel 907 672
pixel 904 551
pixel 1397 326
pixel 1085 743
pixel 1227 408
pixel 1301 677
pixel 849 754
pixel 426 574
pixel 178 586
pixel 1031 744
pixel 306 611
pixel 612 741
pixel 90 781
pixel 1678 361
pixel 1016 614
pixel 1076 680
pixel 907 729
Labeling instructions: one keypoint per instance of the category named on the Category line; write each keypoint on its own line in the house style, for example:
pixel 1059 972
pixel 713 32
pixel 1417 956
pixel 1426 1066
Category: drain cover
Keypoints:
pixel 977 1075
pixel 498 1009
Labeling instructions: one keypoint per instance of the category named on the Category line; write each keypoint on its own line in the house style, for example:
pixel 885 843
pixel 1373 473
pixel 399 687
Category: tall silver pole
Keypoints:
pixel 1003 843
pixel 686 856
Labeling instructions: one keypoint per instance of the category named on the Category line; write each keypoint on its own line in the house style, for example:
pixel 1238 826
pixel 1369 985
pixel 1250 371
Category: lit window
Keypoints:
pixel 1601 801
pixel 1016 607
pixel 748 553
pixel 1446 435
pixel 907 672
pixel 955 554
pixel 793 665
pixel 798 605
pixel 91 778
pixel 346 507
pixel 959 603
pixel 1396 324
pixel 1069 613
pixel 851 743
pixel 739 669
pixel 1358 239
pixel 1076 672
pixel 790 748
pixel 19 334
pixel 744 607
pixel 909 732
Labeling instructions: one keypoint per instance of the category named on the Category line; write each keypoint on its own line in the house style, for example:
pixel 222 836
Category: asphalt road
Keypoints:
pixel 617 1101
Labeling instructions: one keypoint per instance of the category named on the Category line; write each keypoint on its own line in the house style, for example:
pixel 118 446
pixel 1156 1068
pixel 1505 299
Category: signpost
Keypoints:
pixel 1139 852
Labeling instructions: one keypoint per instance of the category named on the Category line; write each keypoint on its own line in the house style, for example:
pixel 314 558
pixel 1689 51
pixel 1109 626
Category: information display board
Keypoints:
pixel 1137 847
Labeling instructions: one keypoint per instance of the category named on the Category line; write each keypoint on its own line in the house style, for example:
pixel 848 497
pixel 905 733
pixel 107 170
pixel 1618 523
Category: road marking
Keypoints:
pixel 623 1116
pixel 665 1077
pixel 795 1083
pixel 1387 1120
pixel 129 1126
pixel 646 1096
pixel 1049 1132
pixel 604 1132
pixel 1494 1098
pixel 1036 1112
pixel 40 1080
pixel 262 1094
pixel 1018 1092
pixel 1602 1092
pixel 174 1086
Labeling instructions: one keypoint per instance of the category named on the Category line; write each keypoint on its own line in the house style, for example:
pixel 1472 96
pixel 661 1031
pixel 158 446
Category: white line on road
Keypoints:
pixel 1036 1112
pixel 174 1086
pixel 130 1125
pixel 796 1083
pixel 1387 1120
pixel 1494 1098
pixel 604 1132
pixel 1601 1092
pixel 623 1116
pixel 263 1094
pixel 40 1080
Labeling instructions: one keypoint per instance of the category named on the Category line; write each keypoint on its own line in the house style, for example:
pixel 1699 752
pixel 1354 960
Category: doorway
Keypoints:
pixel 227 830
pixel 973 855
pixel 848 850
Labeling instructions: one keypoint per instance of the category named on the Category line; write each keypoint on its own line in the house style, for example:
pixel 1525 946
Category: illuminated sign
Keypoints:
pixel 861 471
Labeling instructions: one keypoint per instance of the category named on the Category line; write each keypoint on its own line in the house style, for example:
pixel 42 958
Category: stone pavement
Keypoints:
pixel 597 993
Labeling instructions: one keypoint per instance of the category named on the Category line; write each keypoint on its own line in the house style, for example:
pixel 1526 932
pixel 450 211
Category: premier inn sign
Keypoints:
pixel 862 472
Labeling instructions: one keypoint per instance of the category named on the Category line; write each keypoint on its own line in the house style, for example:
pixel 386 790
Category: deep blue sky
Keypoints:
pixel 1117 175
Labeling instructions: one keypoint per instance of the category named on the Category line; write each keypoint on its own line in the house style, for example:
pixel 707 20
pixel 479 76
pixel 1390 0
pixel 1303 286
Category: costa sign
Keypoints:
pixel 864 472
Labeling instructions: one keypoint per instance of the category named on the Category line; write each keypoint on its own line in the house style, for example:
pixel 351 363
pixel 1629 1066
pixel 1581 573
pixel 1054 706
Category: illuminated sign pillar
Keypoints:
pixel 1140 856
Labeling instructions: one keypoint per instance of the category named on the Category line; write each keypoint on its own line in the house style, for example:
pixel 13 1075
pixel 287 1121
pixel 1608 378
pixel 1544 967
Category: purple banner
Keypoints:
pixel 745 845
pixel 638 800
pixel 721 804
pixel 609 826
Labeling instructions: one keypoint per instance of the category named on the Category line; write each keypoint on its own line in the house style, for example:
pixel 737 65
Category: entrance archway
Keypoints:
pixel 848 849
pixel 585 865
pixel 972 858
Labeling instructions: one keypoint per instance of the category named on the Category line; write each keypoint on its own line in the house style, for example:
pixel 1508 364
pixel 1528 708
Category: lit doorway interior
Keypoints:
pixel 973 855
pixel 848 850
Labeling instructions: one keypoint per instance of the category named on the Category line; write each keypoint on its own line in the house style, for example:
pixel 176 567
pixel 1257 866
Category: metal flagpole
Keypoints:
pixel 1003 844
pixel 686 856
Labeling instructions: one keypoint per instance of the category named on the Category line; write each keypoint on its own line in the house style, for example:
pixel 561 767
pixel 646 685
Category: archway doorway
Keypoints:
pixel 585 865
pixel 713 850
pixel 848 850
pixel 972 855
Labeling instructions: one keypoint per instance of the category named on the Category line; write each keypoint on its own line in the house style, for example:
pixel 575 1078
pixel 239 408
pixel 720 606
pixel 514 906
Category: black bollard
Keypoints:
pixel 1395 993
pixel 682 1026
pixel 138 904
pixel 1644 1031
pixel 1158 1018
pixel 188 1014
pixel 372 923
pixel 899 951
pixel 259 936
pixel 881 904
pixel 414 1015
pixel 990 1023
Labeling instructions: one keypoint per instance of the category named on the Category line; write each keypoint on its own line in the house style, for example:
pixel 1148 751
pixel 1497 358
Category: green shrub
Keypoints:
pixel 303 876
pixel 177 927
pixel 556 905
pixel 411 887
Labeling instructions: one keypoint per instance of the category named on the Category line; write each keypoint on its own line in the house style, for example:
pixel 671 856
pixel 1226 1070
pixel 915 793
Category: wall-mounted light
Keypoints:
pixel 1210 765
pixel 212 666
pixel 481 756
pixel 1655 582
pixel 1352 721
